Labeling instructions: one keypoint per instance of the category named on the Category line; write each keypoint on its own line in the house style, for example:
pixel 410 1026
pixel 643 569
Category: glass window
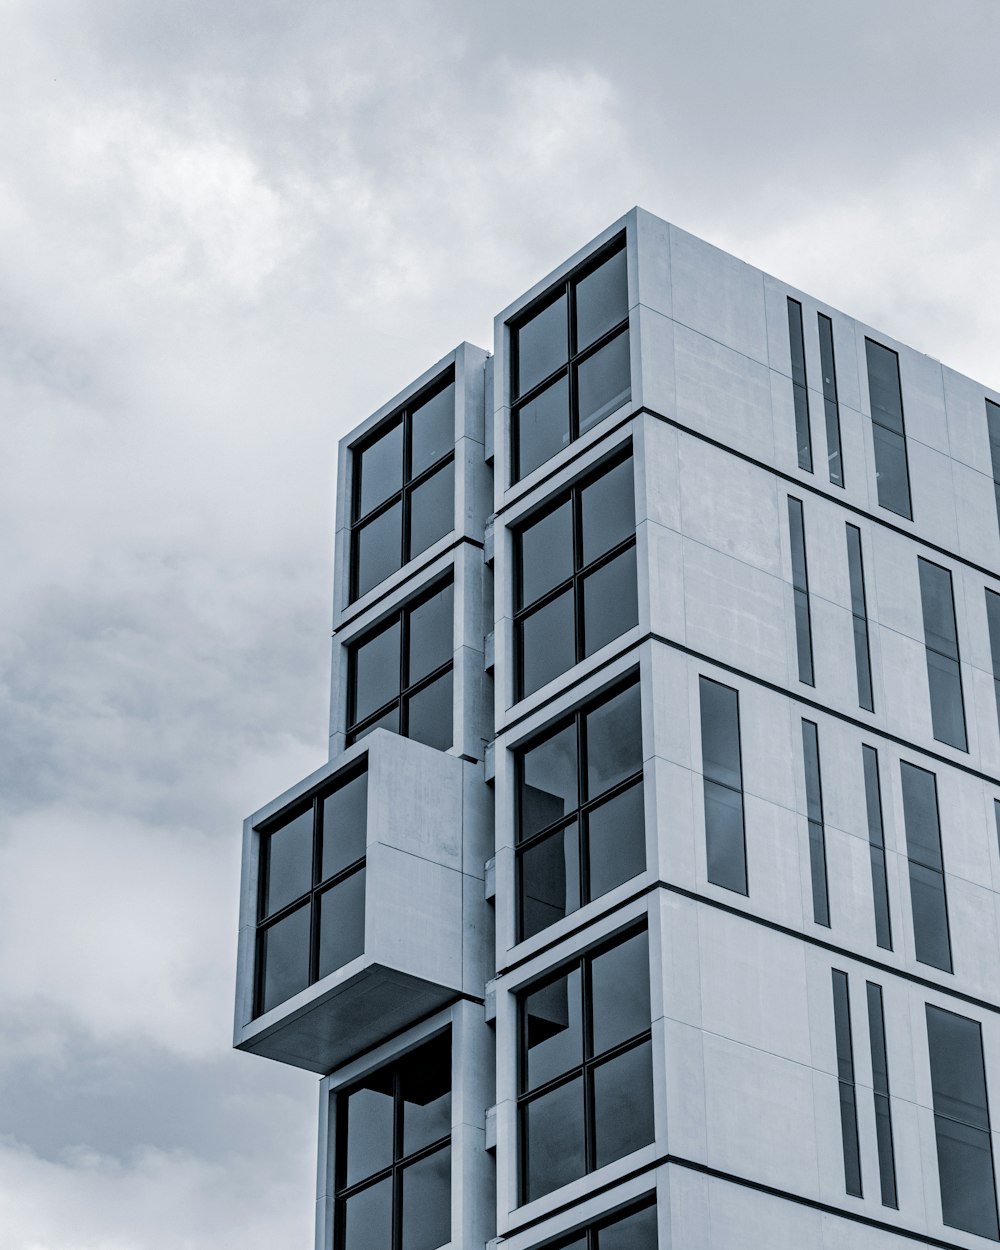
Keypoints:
pixel 944 674
pixel 831 406
pixel 400 676
pixel 817 831
pixel 927 884
pixel 845 1076
pixel 311 898
pixel 632 1230
pixel 876 847
pixel 576 576
pixel 993 621
pixel 880 1091
pixel 570 358
pixel 800 590
pixel 725 839
pixel 796 341
pixel 586 1077
pixel 962 1123
pixel 581 825
pixel 993 428
pixel 404 486
pixel 859 611
pixel 892 474
pixel 393 1155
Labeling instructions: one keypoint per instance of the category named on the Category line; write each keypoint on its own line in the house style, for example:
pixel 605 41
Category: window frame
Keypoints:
pixel 952 661
pixel 805 656
pixel 591 1232
pixel 831 400
pixel 900 433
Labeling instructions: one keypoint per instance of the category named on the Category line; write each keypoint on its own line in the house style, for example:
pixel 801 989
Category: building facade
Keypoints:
pixel 650 896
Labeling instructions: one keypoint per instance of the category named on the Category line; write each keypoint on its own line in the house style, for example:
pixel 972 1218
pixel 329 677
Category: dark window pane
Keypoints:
pixel 601 300
pixel 845 1072
pixel 427 1202
pixel 920 814
pixel 614 741
pixel 616 841
pixel 993 622
pixel 830 405
pixel 803 439
pixel 891 472
pixel 369 1135
pixel 880 896
pixel 938 605
pixel 817 868
pixel 863 664
pixel 880 887
pixel 944 680
pixel 796 343
pixel 380 468
pixel 289 861
pixel 883 386
pixel 720 733
pixel 855 568
pixel 342 923
pixel 546 553
pixel 553 1029
pixel 432 509
pixel 623 1104
pixel 810 760
pixel 603 381
pixel 376 672
pixel 553 1139
pixel 550 880
pixel 430 634
pixel 378 549
pixel 345 826
pixel 542 426
pixel 425 1086
pixel 542 345
pixel 842 1026
pixel 958 1076
pixel 880 1088
pixel 608 506
pixel 803 638
pixel 965 1164
pixel 368 1218
pixel 993 429
pixel 389 721
pixel 725 843
pixel 930 917
pixel 886 1155
pixel 619 980
pixel 549 781
pixel 635 1232
pixel 284 954
pixel 610 601
pixel 429 715
pixel 873 795
pixel 797 540
pixel 547 644
pixel 849 1128
pixel 432 432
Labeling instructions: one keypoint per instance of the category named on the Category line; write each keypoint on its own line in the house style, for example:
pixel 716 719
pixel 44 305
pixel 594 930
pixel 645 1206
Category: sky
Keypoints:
pixel 229 232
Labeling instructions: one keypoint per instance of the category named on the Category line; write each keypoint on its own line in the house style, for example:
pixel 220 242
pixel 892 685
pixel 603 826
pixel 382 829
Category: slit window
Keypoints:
pixel 876 847
pixel 993 622
pixel 880 1093
pixel 725 836
pixel 926 865
pixel 859 615
pixel 944 672
pixel 845 1080
pixel 800 393
pixel 817 832
pixel 831 405
pixel 800 591
pixel 993 427
pixel 892 474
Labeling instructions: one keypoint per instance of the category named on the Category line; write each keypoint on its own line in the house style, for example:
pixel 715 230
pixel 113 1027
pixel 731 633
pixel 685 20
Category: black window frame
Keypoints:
pixel 942 657
pixel 859 614
pixel 319 885
pixel 831 401
pixel 800 385
pixel 574 358
pixel 890 427
pixel 800 591
pixel 846 1083
pixel 409 482
pixel 817 827
pixel 357 729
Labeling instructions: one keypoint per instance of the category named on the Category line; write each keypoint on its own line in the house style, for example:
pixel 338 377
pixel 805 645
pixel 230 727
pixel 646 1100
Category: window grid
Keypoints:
pixel 859 612
pixel 876 846
pixel 993 428
pixel 880 1093
pixel 944 673
pixel 817 831
pixel 800 393
pixel 892 472
pixel 845 1079
pixel 800 590
pixel 722 771
pixel 831 404
pixel 928 896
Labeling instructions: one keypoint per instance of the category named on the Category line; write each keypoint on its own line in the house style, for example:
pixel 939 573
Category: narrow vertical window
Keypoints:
pixel 993 425
pixel 800 589
pixel 944 674
pixel 962 1123
pixel 796 342
pixel 817 834
pixel 859 612
pixel 725 838
pixel 923 849
pixel 845 1077
pixel 892 473
pixel 880 1091
pixel 993 621
pixel 831 405
pixel 996 818
pixel 876 844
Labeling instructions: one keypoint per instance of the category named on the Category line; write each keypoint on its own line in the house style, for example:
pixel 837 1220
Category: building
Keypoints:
pixel 651 893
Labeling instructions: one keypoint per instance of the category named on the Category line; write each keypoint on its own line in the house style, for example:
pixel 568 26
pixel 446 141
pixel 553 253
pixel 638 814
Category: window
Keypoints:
pixel 393 1155
pixel 892 474
pixel 400 677
pixel 993 426
pixel 993 621
pixel 586 1074
pixel 880 1092
pixel 859 610
pixel 581 828
pixel 570 360
pixel 845 1077
pixel 876 846
pixel 831 405
pixel 725 837
pixel 404 487
pixel 800 590
pixel 800 394
pixel 636 1230
pixel 817 833
pixel 944 675
pixel 311 899
pixel 923 850
pixel 962 1123
pixel 576 576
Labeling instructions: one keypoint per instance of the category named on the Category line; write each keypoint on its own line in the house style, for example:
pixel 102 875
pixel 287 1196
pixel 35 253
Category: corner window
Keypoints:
pixel 400 676
pixel 570 362
pixel 586 1071
pixel 393 1155
pixel 580 822
pixel 311 900
pixel 635 1230
pixel 575 576
pixel 404 487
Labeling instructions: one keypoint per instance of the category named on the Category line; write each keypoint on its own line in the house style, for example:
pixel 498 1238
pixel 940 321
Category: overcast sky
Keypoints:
pixel 228 232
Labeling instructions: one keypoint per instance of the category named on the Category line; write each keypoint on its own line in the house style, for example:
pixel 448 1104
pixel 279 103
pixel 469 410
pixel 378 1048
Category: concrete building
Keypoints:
pixel 651 893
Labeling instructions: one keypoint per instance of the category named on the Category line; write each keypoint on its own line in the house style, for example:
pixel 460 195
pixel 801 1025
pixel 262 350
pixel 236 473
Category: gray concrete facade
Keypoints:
pixel 747 1142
